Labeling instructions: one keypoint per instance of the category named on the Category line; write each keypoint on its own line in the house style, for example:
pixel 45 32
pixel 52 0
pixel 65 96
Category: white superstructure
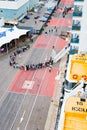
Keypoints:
pixel 83 32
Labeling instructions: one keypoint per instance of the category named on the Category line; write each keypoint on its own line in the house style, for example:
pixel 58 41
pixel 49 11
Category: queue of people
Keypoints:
pixel 38 66
pixel 13 63
pixel 18 51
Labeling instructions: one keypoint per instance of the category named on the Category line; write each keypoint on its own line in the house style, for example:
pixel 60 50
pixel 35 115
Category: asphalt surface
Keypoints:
pixel 20 111
pixel 32 22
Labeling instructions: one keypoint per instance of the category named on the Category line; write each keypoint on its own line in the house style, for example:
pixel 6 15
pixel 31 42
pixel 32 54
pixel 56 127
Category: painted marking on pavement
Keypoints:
pixel 28 84
pixel 21 119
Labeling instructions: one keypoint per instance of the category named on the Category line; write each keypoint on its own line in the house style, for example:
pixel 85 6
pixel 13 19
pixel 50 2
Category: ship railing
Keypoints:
pixel 69 90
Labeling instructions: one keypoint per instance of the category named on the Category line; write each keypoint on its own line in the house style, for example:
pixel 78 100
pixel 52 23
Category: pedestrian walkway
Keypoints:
pixel 47 41
pixel 60 22
pixel 52 114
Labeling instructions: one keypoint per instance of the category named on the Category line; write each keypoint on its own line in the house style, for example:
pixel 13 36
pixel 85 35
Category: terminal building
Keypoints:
pixel 15 10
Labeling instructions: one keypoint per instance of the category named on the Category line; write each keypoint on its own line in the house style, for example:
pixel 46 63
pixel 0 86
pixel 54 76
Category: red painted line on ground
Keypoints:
pixel 61 43
pixel 19 79
pixel 47 41
pixel 67 1
pixel 48 85
pixel 47 82
pixel 60 22
pixel 42 41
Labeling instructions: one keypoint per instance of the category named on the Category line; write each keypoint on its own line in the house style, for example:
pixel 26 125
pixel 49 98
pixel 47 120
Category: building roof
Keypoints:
pixel 8 34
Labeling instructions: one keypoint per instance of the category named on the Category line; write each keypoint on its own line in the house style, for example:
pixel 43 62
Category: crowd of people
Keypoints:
pixel 13 63
pixel 47 63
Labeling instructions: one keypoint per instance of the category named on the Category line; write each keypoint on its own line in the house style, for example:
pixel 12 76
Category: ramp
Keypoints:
pixel 61 54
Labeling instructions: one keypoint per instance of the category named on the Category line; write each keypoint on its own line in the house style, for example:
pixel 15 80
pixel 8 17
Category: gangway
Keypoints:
pixel 61 54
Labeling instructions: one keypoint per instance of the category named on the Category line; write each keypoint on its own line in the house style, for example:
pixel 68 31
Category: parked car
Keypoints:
pixel 26 17
pixel 22 21
pixel 36 17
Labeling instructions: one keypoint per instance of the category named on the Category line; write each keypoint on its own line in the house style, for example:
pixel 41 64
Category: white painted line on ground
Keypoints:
pixel 34 103
pixel 21 119
pixel 21 105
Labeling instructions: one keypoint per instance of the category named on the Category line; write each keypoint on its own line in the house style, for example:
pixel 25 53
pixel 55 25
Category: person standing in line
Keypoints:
pixel 35 21
pixel 52 47
pixel 50 68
